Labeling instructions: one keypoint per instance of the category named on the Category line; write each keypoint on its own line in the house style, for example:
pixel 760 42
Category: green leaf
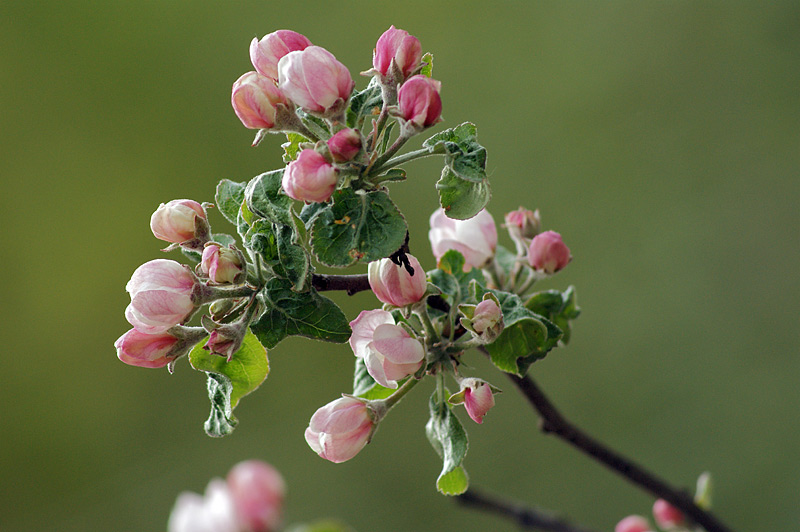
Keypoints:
pixel 264 198
pixel 364 104
pixel 292 148
pixel 560 308
pixel 427 65
pixel 229 198
pixel 365 386
pixel 449 439
pixel 451 279
pixel 465 158
pixel 462 199
pixel 261 238
pixel 290 313
pixel 294 260
pixel 357 227
pixel 228 382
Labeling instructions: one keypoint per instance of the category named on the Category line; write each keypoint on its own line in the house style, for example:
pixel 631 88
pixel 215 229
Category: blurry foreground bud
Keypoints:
pixel 214 512
pixel 156 350
pixel 266 53
pixel 392 283
pixel 313 79
pixel 475 238
pixel 180 221
pixel 401 48
pixel 485 319
pixel 161 296
pixel 257 490
pixel 633 523
pixel 339 430
pixel 310 178
pixel 389 352
pixel 222 264
pixel 666 515
pixel 477 396
pixel 255 100
pixel 345 145
pixel 702 496
pixel 548 253
pixel 420 105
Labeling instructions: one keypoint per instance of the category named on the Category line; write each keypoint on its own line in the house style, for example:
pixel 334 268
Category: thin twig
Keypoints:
pixel 526 517
pixel 349 283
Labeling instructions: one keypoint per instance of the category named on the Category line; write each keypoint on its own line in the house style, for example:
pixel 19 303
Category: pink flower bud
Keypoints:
pixel 313 79
pixel 633 523
pixel 475 238
pixel 222 265
pixel 339 430
pixel 254 98
pixel 161 296
pixel 146 350
pixel 487 316
pixel 523 223
pixel 548 253
pixel 310 178
pixel 397 45
pixel 393 284
pixel 345 145
pixel 478 398
pixel 666 515
pixel 266 53
pixel 257 490
pixel 389 352
pixel 419 101
pixel 179 221
pixel 214 512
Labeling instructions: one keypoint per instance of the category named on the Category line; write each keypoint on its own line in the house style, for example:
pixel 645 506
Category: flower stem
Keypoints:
pixel 393 399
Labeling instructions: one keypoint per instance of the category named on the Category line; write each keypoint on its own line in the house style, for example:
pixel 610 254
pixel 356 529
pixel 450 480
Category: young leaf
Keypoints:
pixel 451 279
pixel 264 198
pixel 427 65
pixel 357 227
pixel 462 199
pixel 465 158
pixel 295 262
pixel 291 148
pixel 290 313
pixel 229 198
pixel 364 104
pixel 261 238
pixel 560 308
pixel 221 421
pixel 449 439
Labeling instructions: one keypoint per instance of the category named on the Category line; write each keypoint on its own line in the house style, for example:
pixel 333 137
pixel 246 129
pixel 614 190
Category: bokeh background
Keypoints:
pixel 662 139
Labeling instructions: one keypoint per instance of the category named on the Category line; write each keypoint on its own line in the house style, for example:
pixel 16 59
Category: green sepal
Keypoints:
pixel 449 439
pixel 459 198
pixel 427 65
pixel 452 280
pixel 229 198
pixel 291 313
pixel 364 385
pixel 364 104
pixel 229 381
pixel 463 155
pixel 291 148
pixel 558 307
pixel 357 227
pixel 264 198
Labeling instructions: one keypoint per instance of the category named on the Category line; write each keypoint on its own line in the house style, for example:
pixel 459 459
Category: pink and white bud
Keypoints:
pixel 392 283
pixel 666 515
pixel 390 354
pixel 179 221
pixel 633 523
pixel 313 79
pixel 487 316
pixel 478 398
pixel 310 178
pixel 548 253
pixel 161 296
pixel 419 102
pixel 214 512
pixel 339 430
pixel 223 344
pixel 267 52
pixel 257 490
pixel 222 264
pixel 254 98
pixel 475 238
pixel 146 350
pixel 398 46
pixel 345 145
pixel 523 224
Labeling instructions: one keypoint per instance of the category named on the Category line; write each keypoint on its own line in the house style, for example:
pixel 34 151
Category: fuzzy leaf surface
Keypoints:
pixel 229 198
pixel 459 198
pixel 449 439
pixel 465 158
pixel 264 198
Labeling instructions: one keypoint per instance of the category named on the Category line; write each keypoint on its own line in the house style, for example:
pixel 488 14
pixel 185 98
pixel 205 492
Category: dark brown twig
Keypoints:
pixel 349 283
pixel 526 517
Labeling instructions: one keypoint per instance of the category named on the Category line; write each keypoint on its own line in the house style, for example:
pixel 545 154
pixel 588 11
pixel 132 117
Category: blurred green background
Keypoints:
pixel 661 139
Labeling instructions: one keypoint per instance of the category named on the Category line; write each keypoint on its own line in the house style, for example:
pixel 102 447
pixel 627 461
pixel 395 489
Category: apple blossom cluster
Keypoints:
pixel 330 205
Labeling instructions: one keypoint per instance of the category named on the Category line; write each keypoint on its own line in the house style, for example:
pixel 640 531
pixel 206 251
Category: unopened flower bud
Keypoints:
pixel 477 396
pixel 222 265
pixel 156 350
pixel 161 296
pixel 666 515
pixel 313 79
pixel 180 221
pixel 345 145
pixel 633 523
pixel 392 283
pixel 398 46
pixel 257 490
pixel 475 238
pixel 267 52
pixel 339 430
pixel 548 253
pixel 255 99
pixel 214 512
pixel 419 102
pixel 390 354
pixel 523 224
pixel 310 177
